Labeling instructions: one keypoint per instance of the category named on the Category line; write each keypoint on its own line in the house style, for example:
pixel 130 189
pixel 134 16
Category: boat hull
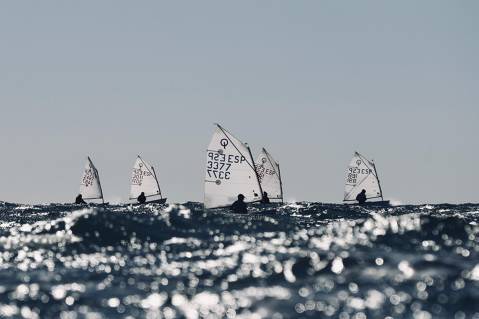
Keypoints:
pixel 383 203
pixel 156 201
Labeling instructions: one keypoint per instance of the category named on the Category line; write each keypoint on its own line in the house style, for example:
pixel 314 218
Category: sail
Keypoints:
pixel 269 175
pixel 229 171
pixel 143 179
pixel 90 187
pixel 361 174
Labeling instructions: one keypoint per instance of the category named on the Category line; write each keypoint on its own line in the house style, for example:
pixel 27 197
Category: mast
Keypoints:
pixel 157 183
pixel 99 184
pixel 379 183
pixel 255 172
pixel 280 184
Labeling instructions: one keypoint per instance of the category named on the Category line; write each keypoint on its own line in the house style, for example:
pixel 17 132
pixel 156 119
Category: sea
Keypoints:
pixel 295 260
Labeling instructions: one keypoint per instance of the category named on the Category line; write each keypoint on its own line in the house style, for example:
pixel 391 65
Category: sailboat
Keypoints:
pixel 144 179
pixel 362 174
pixel 90 186
pixel 230 171
pixel 269 176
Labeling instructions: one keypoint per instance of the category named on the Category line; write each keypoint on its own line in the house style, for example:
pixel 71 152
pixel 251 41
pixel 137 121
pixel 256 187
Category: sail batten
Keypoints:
pixel 229 171
pixel 144 179
pixel 269 175
pixel 90 186
pixel 361 174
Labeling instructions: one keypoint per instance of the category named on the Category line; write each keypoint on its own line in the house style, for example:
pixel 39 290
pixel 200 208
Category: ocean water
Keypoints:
pixel 301 260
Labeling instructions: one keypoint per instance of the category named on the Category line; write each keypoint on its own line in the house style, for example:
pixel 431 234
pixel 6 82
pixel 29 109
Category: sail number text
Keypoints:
pixel 138 174
pixel 218 165
pixel 353 174
pixel 88 177
pixel 262 171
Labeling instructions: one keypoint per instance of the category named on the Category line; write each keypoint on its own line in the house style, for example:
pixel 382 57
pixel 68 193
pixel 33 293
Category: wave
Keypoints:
pixel 293 260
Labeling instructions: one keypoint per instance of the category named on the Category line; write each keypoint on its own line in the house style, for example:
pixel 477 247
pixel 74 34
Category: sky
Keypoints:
pixel 312 81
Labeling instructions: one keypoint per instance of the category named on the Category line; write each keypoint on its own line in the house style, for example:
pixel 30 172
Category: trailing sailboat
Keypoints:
pixel 362 175
pixel 144 180
pixel 230 171
pixel 90 187
pixel 269 176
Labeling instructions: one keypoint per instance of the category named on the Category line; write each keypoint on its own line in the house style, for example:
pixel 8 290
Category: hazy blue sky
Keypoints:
pixel 312 81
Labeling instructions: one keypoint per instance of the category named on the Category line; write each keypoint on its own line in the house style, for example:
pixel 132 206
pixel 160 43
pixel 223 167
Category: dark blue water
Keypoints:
pixel 304 260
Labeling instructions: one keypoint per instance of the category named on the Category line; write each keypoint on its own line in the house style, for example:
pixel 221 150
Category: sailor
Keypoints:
pixel 361 197
pixel 142 198
pixel 265 199
pixel 79 199
pixel 239 207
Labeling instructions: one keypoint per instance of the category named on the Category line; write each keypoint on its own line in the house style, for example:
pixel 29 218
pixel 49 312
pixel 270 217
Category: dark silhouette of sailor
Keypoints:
pixel 142 198
pixel 361 197
pixel 79 199
pixel 265 199
pixel 239 207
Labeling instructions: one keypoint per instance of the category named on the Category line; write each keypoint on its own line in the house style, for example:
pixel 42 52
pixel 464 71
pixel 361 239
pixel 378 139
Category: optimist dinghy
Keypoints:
pixel 144 179
pixel 90 186
pixel 230 171
pixel 362 174
pixel 269 176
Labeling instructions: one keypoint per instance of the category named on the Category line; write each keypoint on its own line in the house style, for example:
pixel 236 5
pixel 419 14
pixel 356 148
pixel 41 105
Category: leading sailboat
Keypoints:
pixel 269 176
pixel 90 186
pixel 362 174
pixel 144 180
pixel 230 171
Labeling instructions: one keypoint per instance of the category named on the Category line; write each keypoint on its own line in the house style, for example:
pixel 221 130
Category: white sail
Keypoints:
pixel 143 179
pixel 361 174
pixel 229 171
pixel 269 176
pixel 90 187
